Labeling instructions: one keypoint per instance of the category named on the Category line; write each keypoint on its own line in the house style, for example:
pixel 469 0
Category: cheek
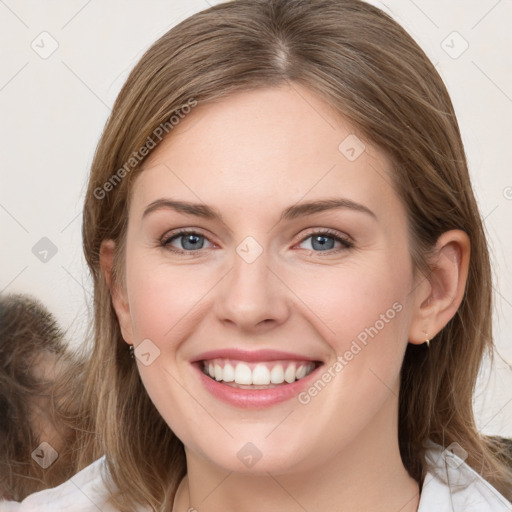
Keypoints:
pixel 358 297
pixel 163 298
pixel 367 310
pixel 365 313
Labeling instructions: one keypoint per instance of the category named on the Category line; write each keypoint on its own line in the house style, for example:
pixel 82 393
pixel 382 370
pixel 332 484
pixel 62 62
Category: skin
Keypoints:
pixel 250 156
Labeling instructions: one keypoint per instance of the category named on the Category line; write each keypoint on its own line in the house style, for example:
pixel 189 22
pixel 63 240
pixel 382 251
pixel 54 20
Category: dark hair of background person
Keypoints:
pixel 33 352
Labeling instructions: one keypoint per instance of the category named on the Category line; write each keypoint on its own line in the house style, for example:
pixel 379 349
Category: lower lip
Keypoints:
pixel 253 399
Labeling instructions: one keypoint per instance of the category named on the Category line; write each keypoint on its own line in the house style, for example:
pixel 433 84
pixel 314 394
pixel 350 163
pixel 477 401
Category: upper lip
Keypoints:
pixel 251 355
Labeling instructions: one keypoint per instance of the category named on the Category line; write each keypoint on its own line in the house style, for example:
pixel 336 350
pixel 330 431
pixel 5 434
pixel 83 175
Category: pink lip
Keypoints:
pixel 250 355
pixel 258 398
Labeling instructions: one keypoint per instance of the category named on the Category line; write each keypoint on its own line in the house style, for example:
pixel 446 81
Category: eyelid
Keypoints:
pixel 183 231
pixel 327 231
pixel 179 232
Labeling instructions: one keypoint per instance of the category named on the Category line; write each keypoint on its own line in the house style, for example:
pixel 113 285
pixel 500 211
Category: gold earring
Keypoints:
pixel 427 341
pixel 131 352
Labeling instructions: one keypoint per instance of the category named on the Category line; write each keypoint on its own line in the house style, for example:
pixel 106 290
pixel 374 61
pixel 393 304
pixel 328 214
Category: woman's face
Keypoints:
pixel 266 287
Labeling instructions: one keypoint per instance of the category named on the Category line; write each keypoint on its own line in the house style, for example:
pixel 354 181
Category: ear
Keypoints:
pixel 117 291
pixel 439 294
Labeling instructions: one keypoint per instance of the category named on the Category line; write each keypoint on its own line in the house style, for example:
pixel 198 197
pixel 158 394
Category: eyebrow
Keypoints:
pixel 290 213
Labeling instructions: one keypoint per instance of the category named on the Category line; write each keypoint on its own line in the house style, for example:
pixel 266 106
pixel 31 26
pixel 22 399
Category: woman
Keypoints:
pixel 291 280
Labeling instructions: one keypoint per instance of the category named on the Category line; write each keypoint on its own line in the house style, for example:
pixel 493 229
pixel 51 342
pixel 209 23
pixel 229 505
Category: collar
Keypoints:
pixel 451 485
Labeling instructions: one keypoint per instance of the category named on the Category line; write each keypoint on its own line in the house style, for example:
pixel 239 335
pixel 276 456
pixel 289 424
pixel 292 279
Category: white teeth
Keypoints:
pixel 229 373
pixel 277 374
pixel 261 374
pixel 243 374
pixel 301 372
pixel 289 374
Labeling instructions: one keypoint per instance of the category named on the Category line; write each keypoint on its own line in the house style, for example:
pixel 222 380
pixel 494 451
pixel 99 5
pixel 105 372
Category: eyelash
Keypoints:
pixel 345 241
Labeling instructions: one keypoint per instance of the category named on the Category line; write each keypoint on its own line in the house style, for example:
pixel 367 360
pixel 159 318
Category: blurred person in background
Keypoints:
pixel 36 445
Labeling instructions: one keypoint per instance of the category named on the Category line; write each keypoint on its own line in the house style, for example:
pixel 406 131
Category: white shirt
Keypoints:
pixel 450 485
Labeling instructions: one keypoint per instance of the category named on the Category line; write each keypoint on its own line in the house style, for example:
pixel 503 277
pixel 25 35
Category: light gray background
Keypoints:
pixel 53 108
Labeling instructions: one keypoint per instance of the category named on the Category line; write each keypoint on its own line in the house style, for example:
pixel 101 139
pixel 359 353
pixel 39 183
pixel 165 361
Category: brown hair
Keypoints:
pixel 369 70
pixel 32 353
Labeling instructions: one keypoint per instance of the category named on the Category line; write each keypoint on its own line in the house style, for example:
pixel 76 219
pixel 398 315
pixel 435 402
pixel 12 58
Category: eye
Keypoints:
pixel 188 241
pixel 191 241
pixel 325 241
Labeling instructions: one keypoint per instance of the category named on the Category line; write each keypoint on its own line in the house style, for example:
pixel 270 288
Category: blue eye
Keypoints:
pixel 191 241
pixel 325 241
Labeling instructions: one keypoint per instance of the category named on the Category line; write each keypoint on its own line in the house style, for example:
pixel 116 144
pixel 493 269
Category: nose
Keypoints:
pixel 252 297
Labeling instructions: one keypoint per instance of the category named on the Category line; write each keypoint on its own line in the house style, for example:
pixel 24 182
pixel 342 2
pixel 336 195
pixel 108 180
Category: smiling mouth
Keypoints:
pixel 260 375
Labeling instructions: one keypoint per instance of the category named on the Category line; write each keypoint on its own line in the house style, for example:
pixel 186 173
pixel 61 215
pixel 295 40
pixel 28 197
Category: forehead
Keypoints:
pixel 284 144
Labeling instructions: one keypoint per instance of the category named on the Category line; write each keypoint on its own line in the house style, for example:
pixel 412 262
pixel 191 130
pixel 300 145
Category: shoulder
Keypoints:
pixel 452 485
pixel 84 492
